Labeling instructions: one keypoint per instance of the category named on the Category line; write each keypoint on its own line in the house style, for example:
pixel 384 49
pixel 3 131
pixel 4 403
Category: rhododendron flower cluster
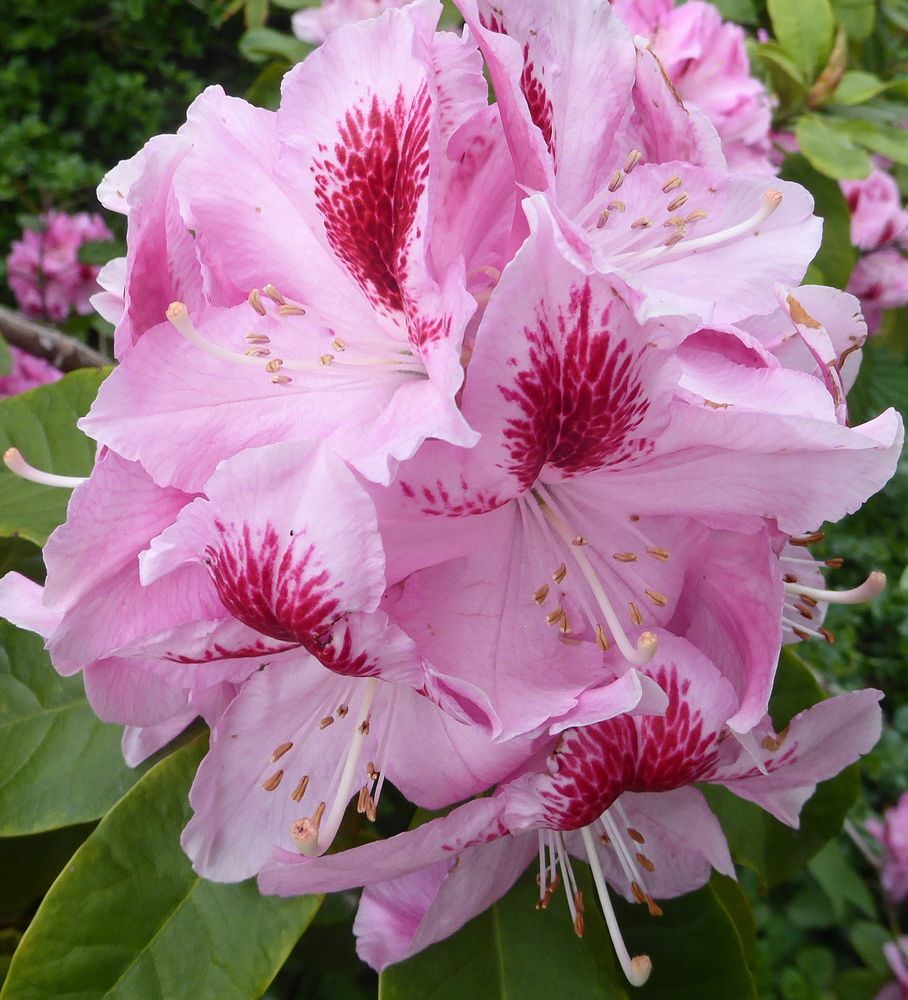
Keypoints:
pixel 892 835
pixel 43 268
pixel 470 447
pixel 26 372
pixel 878 229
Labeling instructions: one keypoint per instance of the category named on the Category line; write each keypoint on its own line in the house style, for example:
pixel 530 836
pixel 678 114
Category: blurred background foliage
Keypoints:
pixel 84 84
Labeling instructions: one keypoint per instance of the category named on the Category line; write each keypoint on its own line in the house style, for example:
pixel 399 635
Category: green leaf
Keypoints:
pixel 774 851
pixel 60 764
pixel 887 140
pixel 860 984
pixel 263 44
pixel 99 252
pixel 41 423
pixel 882 382
pixel 858 17
pixel 831 151
pixel 255 14
pixel 129 918
pixel 742 11
pixel 836 257
pixel 805 29
pixel 513 950
pixel 265 90
pixel 6 358
pixel 868 939
pixel 840 882
pixel 857 86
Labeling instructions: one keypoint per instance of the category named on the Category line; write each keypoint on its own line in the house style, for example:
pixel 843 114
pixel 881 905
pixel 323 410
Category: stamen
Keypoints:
pixel 625 557
pixel 273 781
pixel 672 184
pixel 642 223
pixel 616 181
pixel 560 573
pixel 279 751
pixel 603 219
pixel 677 203
pixel 805 540
pixel 255 300
pixel 637 969
pixel 314 846
pixel 300 789
pixel 13 460
pixel 274 295
pixel 662 555
pixel 541 594
pixel 872 587
pixel 632 160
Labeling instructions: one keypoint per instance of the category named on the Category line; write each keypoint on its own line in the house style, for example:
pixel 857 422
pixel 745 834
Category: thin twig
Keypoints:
pixel 62 351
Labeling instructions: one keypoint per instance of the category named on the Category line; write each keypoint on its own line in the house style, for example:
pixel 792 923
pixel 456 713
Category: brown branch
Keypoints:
pixel 62 351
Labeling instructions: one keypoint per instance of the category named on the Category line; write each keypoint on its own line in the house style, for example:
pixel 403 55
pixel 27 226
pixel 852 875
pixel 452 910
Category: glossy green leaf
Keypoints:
pixel 888 140
pixel 263 44
pixel 128 918
pixel 770 848
pixel 856 87
pixel 513 950
pixel 28 865
pixel 41 423
pixel 6 358
pixel 805 30
pixel 858 17
pixel 829 150
pixel 836 257
pixel 742 11
pixel 843 886
pixel 60 764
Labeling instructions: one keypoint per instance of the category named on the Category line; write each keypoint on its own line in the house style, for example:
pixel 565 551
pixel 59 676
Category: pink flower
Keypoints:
pixel 26 372
pixel 880 281
pixel 616 794
pixel 314 24
pixel 877 216
pixel 892 833
pixel 43 268
pixel 895 952
pixel 706 60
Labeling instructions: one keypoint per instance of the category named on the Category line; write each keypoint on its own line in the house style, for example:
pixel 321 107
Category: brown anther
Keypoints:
pixel 696 216
pixel 549 893
pixel 361 799
pixel 255 300
pixel 327 721
pixel 672 184
pixel 257 338
pixel 256 352
pixel 605 839
pixel 273 781
pixel 790 578
pixel 827 635
pixel 645 861
pixel 317 815
pixel 565 627
pixel 836 563
pixel 817 536
pixel 642 223
pixel 274 295
pixel 602 640
pixel 632 160
pixel 578 540
pixel 804 612
pixel 326 360
pixel 541 594
pixel 274 366
pixel 636 617
pixel 281 379
pixel 811 602
pixel 300 789
pixel 637 892
pixel 616 206
pixel 676 239
pixel 556 616
pixel 675 222
pixel 773 743
pixel 660 600
pixel 603 219
pixel 800 633
pixel 560 573
pixel 338 344
pixel 370 770
pixel 290 310
pixel 677 203
pixel 579 922
pixel 616 181
pixel 364 728
pixel 662 555
pixel 655 910
pixel 633 517
pixel 636 835
pixel 625 557
pixel 279 751
pixel 370 809
pixel 342 711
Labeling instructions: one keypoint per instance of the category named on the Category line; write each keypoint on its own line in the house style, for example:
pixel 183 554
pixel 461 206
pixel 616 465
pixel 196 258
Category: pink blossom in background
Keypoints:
pixel 43 269
pixel 880 281
pixel 896 953
pixel 892 834
pixel 313 24
pixel 706 60
pixel 27 372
